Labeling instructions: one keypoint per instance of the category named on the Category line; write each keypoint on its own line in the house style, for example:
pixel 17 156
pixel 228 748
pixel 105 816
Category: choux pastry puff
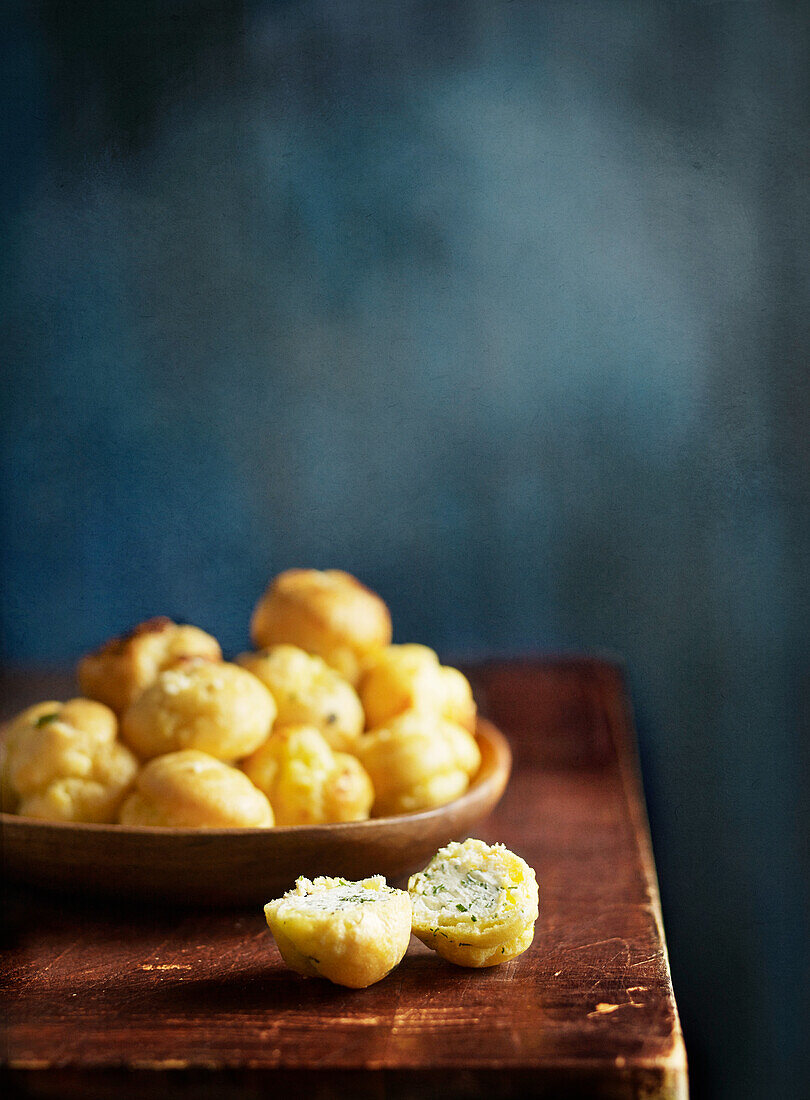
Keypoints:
pixel 63 762
pixel 307 783
pixel 409 677
pixel 329 613
pixel 475 903
pixel 417 761
pixel 353 933
pixel 122 668
pixel 308 692
pixel 192 790
pixel 215 707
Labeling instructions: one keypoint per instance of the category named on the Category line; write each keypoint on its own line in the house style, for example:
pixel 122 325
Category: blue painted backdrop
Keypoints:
pixel 502 307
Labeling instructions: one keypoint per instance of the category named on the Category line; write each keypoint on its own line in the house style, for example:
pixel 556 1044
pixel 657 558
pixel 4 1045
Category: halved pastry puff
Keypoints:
pixel 475 904
pixel 352 933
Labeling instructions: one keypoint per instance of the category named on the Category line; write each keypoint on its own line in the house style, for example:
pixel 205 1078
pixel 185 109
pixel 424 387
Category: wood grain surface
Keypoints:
pixel 120 1000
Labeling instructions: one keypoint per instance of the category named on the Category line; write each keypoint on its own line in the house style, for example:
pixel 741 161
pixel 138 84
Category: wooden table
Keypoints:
pixel 112 1001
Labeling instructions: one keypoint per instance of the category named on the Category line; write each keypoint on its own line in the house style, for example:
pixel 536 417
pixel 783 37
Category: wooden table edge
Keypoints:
pixel 618 709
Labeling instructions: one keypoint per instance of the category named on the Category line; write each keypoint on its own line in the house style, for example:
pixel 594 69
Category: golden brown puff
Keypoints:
pixel 192 790
pixel 409 677
pixel 64 762
pixel 122 668
pixel 417 761
pixel 307 783
pixel 353 933
pixel 329 613
pixel 308 692
pixel 217 708
pixel 475 903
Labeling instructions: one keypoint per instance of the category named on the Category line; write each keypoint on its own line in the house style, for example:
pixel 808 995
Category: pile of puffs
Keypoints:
pixel 326 721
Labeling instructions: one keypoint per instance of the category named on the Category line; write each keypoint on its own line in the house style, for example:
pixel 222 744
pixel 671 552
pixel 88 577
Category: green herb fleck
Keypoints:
pixel 44 719
pixel 461 908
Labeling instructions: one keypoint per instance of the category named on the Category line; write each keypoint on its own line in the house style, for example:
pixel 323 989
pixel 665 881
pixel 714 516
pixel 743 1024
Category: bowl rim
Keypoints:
pixel 495 774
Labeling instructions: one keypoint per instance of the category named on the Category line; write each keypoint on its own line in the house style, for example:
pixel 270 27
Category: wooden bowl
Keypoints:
pixel 215 867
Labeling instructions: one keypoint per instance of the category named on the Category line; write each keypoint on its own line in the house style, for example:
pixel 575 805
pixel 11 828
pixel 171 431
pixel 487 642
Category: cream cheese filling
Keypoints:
pixel 455 889
pixel 347 895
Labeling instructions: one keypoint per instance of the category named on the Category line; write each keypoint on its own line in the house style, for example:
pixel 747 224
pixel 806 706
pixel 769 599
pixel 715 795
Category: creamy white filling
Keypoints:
pixel 458 888
pixel 340 897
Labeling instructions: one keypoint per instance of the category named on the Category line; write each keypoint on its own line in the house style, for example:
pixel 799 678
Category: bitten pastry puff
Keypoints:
pixel 217 708
pixel 475 904
pixel 122 668
pixel 192 790
pixel 417 761
pixel 308 692
pixel 329 613
pixel 409 677
pixel 307 783
pixel 353 933
pixel 64 763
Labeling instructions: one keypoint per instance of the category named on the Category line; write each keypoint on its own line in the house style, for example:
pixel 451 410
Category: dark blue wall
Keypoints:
pixel 502 307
